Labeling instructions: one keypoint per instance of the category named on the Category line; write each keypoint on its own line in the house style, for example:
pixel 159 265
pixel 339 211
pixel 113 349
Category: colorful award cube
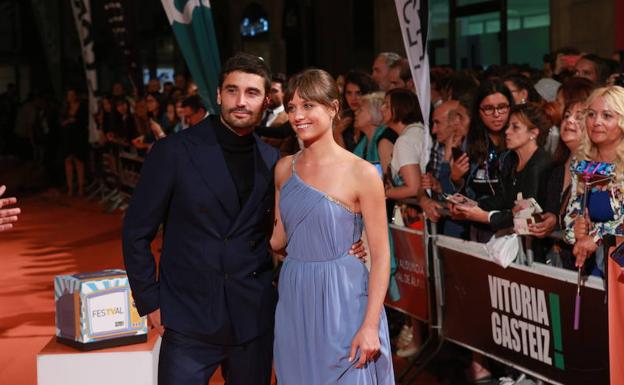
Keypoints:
pixel 96 310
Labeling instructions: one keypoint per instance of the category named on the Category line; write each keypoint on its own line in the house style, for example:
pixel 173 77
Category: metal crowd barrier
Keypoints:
pixel 120 169
pixel 521 316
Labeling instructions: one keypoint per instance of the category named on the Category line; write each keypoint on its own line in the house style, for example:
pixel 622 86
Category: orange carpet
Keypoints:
pixel 55 235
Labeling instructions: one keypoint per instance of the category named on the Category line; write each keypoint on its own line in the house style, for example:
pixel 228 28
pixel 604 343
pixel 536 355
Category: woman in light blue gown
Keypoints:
pixel 330 325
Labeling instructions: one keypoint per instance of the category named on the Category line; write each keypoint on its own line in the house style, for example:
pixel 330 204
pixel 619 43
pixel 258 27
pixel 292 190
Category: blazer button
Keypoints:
pixel 254 274
pixel 225 240
pixel 252 243
pixel 226 276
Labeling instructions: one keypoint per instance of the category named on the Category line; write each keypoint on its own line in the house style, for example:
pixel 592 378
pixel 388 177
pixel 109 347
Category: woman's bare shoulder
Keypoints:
pixel 283 170
pixel 363 171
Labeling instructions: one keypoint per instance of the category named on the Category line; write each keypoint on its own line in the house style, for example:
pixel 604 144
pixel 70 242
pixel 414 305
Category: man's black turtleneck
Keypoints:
pixel 238 152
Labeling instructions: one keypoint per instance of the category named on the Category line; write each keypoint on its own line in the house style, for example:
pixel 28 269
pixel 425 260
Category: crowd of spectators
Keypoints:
pixel 500 136
pixel 56 136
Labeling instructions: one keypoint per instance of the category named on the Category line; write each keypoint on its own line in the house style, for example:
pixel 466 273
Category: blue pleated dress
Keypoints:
pixel 323 294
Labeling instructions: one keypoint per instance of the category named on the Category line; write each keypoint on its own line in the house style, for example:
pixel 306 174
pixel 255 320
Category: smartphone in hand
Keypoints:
pixel 457 153
pixel 459 199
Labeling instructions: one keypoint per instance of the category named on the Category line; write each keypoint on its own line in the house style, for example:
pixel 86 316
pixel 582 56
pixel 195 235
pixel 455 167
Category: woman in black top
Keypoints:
pixel 357 84
pixel 558 185
pixel 524 170
pixel 485 148
pixel 75 140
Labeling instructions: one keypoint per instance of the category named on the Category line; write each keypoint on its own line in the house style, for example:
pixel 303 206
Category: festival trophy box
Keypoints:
pixel 96 310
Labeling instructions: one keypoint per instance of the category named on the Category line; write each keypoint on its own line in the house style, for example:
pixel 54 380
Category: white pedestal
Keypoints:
pixel 137 364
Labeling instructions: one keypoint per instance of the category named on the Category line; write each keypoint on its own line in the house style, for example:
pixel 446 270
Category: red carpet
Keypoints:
pixel 55 235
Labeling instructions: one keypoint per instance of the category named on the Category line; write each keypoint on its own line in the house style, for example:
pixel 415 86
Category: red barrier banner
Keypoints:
pixel 410 275
pixel 523 316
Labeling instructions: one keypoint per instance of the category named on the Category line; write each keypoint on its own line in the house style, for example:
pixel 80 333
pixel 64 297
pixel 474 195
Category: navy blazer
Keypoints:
pixel 214 279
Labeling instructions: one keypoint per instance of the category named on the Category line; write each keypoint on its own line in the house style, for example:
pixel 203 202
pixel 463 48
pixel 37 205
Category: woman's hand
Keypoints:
pixel 582 225
pixel 366 340
pixel 545 227
pixel 471 213
pixel 459 168
pixel 157 130
pixel 428 182
pixel 342 124
pixel 583 249
pixel 430 207
pixel 359 250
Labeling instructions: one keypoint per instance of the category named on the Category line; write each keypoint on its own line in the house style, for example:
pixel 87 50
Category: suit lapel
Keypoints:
pixel 207 157
pixel 262 178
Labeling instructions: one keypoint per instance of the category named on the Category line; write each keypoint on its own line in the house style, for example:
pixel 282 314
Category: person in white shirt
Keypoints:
pixel 275 114
pixel 274 128
pixel 402 115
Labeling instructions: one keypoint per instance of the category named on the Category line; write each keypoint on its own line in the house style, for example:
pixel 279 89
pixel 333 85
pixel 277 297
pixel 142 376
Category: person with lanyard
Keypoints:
pixel 486 147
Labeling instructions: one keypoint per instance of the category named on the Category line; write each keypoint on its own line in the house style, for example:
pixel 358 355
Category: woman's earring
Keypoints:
pixel 522 101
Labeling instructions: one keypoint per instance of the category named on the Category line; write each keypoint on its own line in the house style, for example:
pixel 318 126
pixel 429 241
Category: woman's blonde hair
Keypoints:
pixel 374 101
pixel 613 96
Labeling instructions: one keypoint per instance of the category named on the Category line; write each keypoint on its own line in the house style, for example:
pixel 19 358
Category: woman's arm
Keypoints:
pixel 370 195
pixel 384 148
pixel 282 173
pixel 410 173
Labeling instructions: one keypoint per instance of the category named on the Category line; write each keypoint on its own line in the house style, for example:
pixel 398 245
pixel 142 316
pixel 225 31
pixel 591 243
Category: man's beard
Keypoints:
pixel 250 122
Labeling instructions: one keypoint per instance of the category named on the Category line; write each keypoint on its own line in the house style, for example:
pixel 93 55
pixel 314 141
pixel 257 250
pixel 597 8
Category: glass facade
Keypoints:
pixel 476 39
pixel 528 31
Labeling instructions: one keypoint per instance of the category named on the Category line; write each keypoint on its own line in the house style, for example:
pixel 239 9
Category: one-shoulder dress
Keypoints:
pixel 323 294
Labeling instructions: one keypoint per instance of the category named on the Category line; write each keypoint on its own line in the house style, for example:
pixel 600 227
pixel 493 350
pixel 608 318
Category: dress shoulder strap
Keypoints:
pixel 294 160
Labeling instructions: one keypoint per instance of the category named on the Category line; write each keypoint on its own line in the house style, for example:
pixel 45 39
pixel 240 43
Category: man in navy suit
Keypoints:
pixel 211 186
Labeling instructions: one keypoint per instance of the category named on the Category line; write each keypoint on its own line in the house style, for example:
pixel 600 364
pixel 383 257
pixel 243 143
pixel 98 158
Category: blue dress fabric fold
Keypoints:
pixel 323 294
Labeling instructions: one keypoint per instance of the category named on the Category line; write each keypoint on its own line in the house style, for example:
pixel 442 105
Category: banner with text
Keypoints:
pixel 414 19
pixel 525 317
pixel 82 17
pixel 411 278
pixel 117 14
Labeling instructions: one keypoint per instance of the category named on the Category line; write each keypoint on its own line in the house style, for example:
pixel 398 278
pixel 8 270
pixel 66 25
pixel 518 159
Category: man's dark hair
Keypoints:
pixel 601 65
pixel 361 79
pixel 247 63
pixel 280 78
pixel 523 83
pixel 405 73
pixel 193 102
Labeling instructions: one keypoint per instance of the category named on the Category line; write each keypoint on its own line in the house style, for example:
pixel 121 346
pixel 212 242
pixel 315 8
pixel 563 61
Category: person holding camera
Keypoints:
pixel 604 121
pixel 524 170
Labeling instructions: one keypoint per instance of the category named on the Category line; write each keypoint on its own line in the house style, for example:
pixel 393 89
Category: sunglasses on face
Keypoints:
pixel 489 109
